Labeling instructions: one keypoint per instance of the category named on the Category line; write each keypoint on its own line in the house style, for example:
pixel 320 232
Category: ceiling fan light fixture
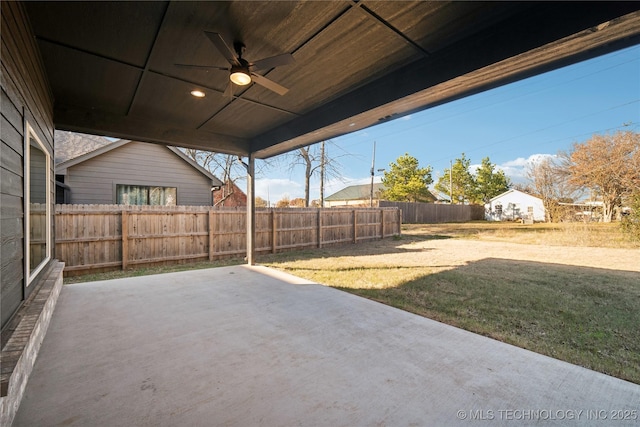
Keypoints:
pixel 240 76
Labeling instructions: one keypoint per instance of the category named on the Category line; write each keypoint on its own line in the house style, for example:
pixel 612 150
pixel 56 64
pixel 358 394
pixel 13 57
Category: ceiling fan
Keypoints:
pixel 241 72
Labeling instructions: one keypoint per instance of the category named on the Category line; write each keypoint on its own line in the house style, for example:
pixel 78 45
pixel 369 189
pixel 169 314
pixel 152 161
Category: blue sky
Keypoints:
pixel 512 125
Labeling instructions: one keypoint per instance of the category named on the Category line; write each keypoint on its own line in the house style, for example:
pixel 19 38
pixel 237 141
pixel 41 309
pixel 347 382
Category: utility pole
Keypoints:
pixel 322 160
pixel 373 165
pixel 451 181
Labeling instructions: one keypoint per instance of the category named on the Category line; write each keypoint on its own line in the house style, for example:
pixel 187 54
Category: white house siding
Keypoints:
pixel 515 204
pixel 136 163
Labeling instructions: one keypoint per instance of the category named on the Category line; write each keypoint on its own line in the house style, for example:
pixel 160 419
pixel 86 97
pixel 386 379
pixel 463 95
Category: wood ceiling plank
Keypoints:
pixel 182 39
pixel 352 51
pixel 169 100
pixel 245 119
pixel 87 80
pixel 118 30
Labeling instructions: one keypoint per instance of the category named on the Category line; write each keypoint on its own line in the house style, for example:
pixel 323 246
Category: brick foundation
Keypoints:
pixel 23 342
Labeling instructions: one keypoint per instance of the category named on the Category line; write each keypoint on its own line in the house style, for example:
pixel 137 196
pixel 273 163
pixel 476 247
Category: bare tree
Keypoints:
pixel 549 182
pixel 608 165
pixel 226 168
pixel 315 160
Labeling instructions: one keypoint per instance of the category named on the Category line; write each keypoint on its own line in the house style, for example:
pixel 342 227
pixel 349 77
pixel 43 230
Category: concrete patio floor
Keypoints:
pixel 244 346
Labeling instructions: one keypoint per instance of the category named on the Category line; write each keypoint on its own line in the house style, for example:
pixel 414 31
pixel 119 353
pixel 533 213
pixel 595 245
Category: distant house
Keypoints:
pixel 514 204
pixel 230 196
pixel 357 195
pixel 133 173
pixel 354 195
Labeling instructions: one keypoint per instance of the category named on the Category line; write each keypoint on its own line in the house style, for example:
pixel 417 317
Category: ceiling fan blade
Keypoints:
pixel 202 67
pixel 218 41
pixel 274 61
pixel 271 85
pixel 228 92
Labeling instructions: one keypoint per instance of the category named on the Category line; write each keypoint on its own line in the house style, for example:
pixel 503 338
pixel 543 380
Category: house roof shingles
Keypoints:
pixel 356 192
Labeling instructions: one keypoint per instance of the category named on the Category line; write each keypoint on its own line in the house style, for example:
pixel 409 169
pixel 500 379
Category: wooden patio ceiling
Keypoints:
pixel 111 65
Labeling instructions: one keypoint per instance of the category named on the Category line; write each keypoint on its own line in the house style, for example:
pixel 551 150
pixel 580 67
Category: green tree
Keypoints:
pixel 462 180
pixel 489 182
pixel 406 181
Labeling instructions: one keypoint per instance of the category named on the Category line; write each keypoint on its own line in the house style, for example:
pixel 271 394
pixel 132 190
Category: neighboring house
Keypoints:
pixel 134 173
pixel 358 195
pixel 354 195
pixel 69 145
pixel 514 204
pixel 230 196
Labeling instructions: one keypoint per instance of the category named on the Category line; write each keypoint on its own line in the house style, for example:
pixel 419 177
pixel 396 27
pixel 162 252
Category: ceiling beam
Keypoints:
pixel 517 50
pixel 114 125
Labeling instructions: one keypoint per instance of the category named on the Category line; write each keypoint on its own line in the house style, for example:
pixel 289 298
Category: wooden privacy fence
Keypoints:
pixel 432 213
pixel 107 237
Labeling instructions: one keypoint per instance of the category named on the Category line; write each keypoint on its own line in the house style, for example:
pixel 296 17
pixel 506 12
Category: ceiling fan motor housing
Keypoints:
pixel 240 74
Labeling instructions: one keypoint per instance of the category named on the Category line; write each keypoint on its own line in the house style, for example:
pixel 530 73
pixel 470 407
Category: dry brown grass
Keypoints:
pixel 575 234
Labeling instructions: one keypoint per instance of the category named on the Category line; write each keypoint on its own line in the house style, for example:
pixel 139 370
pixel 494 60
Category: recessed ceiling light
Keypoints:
pixel 197 93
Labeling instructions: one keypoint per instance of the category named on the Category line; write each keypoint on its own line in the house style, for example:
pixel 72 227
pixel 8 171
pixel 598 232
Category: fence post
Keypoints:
pixel 382 223
pixel 125 239
pixel 211 230
pixel 274 234
pixel 399 222
pixel 320 227
pixel 355 227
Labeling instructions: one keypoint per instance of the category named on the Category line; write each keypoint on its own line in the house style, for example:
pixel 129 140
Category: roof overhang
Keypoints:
pixel 112 65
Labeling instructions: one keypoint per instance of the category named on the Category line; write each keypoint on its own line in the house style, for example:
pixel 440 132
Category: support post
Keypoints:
pixel 251 209
pixel 355 228
pixel 125 239
pixel 320 228
pixel 274 232
pixel 211 240
pixel 382 223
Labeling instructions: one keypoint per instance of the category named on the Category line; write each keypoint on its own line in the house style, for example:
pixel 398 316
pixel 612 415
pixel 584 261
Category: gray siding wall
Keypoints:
pixel 136 163
pixel 25 95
